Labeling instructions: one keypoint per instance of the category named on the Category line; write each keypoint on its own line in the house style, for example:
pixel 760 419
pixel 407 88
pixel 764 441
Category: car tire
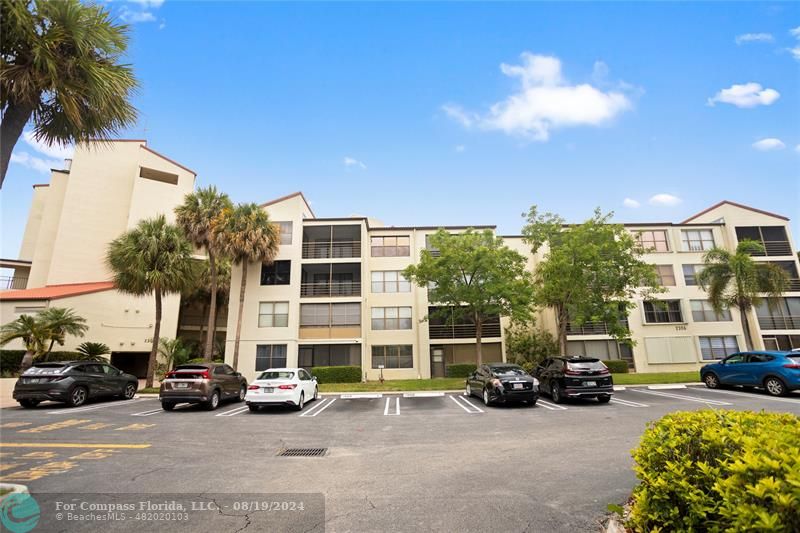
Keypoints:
pixel 486 400
pixel 213 401
pixel 168 406
pixel 77 396
pixel 316 393
pixel 300 403
pixel 605 398
pixel 130 391
pixel 711 380
pixel 254 408
pixel 555 393
pixel 774 386
pixel 531 403
pixel 27 404
pixel 242 393
pixel 468 390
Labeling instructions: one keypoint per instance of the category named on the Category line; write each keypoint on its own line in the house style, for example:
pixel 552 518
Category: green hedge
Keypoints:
pixel 718 471
pixel 10 360
pixel 460 370
pixel 197 360
pixel 617 366
pixel 337 374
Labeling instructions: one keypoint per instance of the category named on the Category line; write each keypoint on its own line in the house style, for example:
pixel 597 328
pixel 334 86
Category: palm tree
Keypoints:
pixel 33 334
pixel 246 235
pixel 61 67
pixel 60 322
pixel 196 216
pixel 152 258
pixel 734 279
pixel 174 352
pixel 93 350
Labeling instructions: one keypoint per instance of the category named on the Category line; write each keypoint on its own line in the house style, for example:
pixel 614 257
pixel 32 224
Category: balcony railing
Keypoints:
pixel 794 285
pixel 335 288
pixel 779 322
pixel 591 328
pixel 328 250
pixel 462 331
pixel 774 248
pixel 193 319
pixel 13 282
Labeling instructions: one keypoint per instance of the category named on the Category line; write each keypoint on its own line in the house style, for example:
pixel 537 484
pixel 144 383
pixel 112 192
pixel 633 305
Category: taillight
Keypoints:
pixel 253 387
pixel 205 375
pixel 792 365
pixel 572 373
pixel 287 387
pixel 169 375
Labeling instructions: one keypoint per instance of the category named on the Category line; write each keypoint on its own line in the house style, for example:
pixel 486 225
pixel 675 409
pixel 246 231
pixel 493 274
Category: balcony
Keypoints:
pixel 591 328
pixel 13 283
pixel 330 288
pixel 331 242
pixel 779 322
pixel 794 285
pixel 774 248
pixel 460 327
pixel 330 279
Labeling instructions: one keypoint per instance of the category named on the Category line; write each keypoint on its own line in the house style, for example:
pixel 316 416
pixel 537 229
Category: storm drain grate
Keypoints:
pixel 302 452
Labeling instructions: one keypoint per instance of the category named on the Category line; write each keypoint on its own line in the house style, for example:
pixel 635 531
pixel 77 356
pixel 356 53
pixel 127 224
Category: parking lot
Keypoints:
pixel 400 462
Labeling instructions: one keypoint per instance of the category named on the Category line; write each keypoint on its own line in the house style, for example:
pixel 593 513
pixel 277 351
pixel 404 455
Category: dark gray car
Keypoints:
pixel 73 382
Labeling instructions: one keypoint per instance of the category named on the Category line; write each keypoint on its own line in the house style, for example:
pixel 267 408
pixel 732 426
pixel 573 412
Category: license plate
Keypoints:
pixel 517 386
pixel 590 384
pixel 269 389
pixel 181 385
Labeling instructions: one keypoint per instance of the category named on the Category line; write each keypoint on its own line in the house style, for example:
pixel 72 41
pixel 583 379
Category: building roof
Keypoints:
pixel 741 206
pixel 165 158
pixel 54 292
pixel 292 195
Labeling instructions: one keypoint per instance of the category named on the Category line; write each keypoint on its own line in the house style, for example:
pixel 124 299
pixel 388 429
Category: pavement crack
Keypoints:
pixel 137 476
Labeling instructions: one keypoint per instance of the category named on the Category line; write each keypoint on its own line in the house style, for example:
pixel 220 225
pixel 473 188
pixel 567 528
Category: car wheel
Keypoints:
pixel 168 406
pixel 242 393
pixel 254 408
pixel 604 398
pixel 711 380
pixel 468 390
pixel 486 399
pixel 531 403
pixel 27 404
pixel 316 393
pixel 774 386
pixel 130 391
pixel 555 393
pixel 300 403
pixel 77 397
pixel 213 402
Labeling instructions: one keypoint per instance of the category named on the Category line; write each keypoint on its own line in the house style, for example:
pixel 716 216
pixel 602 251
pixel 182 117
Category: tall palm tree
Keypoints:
pixel 60 322
pixel 196 216
pixel 61 68
pixel 152 258
pixel 33 334
pixel 734 279
pixel 246 235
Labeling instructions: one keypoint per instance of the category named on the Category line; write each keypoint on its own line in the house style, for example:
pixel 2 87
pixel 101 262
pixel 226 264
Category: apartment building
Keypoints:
pixel 335 296
pixel 104 190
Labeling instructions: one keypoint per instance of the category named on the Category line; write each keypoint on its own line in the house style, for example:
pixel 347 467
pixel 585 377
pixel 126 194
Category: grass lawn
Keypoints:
pixel 149 390
pixel 658 377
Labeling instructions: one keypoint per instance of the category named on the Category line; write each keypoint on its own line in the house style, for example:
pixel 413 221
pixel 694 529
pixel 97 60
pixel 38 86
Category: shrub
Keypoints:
pixel 197 360
pixel 718 471
pixel 528 367
pixel 460 370
pixel 528 343
pixel 617 366
pixel 10 360
pixel 337 374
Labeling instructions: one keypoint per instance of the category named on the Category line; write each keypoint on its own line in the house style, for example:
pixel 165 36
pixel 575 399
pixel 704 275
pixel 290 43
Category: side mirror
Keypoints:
pixel 237 374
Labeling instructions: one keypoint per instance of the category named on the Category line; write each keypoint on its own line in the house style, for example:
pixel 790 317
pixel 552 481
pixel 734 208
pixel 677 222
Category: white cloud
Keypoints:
pixel 148 3
pixel 545 101
pixel 769 144
pixel 795 32
pixel 133 17
pixel 745 95
pixel 664 199
pixel 36 163
pixel 630 202
pixel 797 148
pixel 54 151
pixel 162 25
pixel 350 162
pixel 754 38
pixel 460 148
pixel 795 52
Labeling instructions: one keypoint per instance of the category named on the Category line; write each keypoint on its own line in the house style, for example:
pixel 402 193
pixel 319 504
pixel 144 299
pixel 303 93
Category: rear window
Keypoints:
pixel 276 375
pixel 191 367
pixel 794 358
pixel 45 369
pixel 585 365
pixel 508 371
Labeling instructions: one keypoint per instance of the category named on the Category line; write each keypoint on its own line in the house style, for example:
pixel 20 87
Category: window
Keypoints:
pixel 653 241
pixel 273 314
pixel 391 318
pixel 696 240
pixel 315 315
pixel 712 348
pixel 393 356
pixel 703 311
pixel 310 355
pixel 276 273
pixel 330 315
pixel 779 313
pixel 666 275
pixel 781 342
pixel 389 281
pixel 390 246
pixel 270 356
pixel 345 314
pixel 286 232
pixel 690 273
pixel 602 349
pixel 662 312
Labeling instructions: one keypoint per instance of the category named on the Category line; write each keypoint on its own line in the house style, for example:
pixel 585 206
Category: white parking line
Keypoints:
pixel 682 397
pixel 396 407
pixel 317 409
pixel 357 396
pixel 754 396
pixel 469 402
pixel 148 413
pixel 90 408
pixel 551 406
pixel 234 412
pixel 470 407
pixel 423 394
pixel 628 403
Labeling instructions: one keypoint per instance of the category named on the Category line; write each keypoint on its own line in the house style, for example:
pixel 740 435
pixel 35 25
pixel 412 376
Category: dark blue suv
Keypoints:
pixel 777 372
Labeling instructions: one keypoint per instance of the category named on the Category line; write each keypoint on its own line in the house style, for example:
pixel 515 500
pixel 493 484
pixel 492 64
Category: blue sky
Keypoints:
pixel 451 113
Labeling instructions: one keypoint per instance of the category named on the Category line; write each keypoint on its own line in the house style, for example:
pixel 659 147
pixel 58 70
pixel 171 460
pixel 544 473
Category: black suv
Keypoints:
pixel 574 377
pixel 73 382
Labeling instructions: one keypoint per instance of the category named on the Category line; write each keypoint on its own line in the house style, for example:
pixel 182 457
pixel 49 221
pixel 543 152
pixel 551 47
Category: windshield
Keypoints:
pixel 509 371
pixel 276 375
pixel 585 365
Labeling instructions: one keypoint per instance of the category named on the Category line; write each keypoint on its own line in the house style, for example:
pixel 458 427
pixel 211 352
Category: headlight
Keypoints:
pixel 497 383
pixel 535 382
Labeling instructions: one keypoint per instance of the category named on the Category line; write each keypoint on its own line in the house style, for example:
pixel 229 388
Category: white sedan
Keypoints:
pixel 287 386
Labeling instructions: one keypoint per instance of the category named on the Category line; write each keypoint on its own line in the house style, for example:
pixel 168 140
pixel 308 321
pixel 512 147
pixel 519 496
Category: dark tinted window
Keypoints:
pixel 585 365
pixel 276 375
pixel 190 367
pixel 94 369
pixel 276 273
pixel 557 364
pixel 760 358
pixel 220 370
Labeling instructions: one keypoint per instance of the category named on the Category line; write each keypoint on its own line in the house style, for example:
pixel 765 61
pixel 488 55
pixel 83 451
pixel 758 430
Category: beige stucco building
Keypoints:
pixel 335 296
pixel 104 190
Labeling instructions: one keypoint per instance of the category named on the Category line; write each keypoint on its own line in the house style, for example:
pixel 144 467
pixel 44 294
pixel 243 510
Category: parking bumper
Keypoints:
pixel 594 391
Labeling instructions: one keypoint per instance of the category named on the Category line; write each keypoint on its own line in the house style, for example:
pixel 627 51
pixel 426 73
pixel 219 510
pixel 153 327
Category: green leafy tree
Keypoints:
pixel 734 279
pixel 60 322
pixel 32 333
pixel 589 272
pixel 527 343
pixel 200 294
pixel 95 350
pixel 196 216
pixel 152 258
pixel 476 276
pixel 60 68
pixel 246 235
pixel 174 352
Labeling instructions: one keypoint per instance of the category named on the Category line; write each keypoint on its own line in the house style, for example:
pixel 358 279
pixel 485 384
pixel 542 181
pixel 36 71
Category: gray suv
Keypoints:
pixel 203 383
pixel 73 382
